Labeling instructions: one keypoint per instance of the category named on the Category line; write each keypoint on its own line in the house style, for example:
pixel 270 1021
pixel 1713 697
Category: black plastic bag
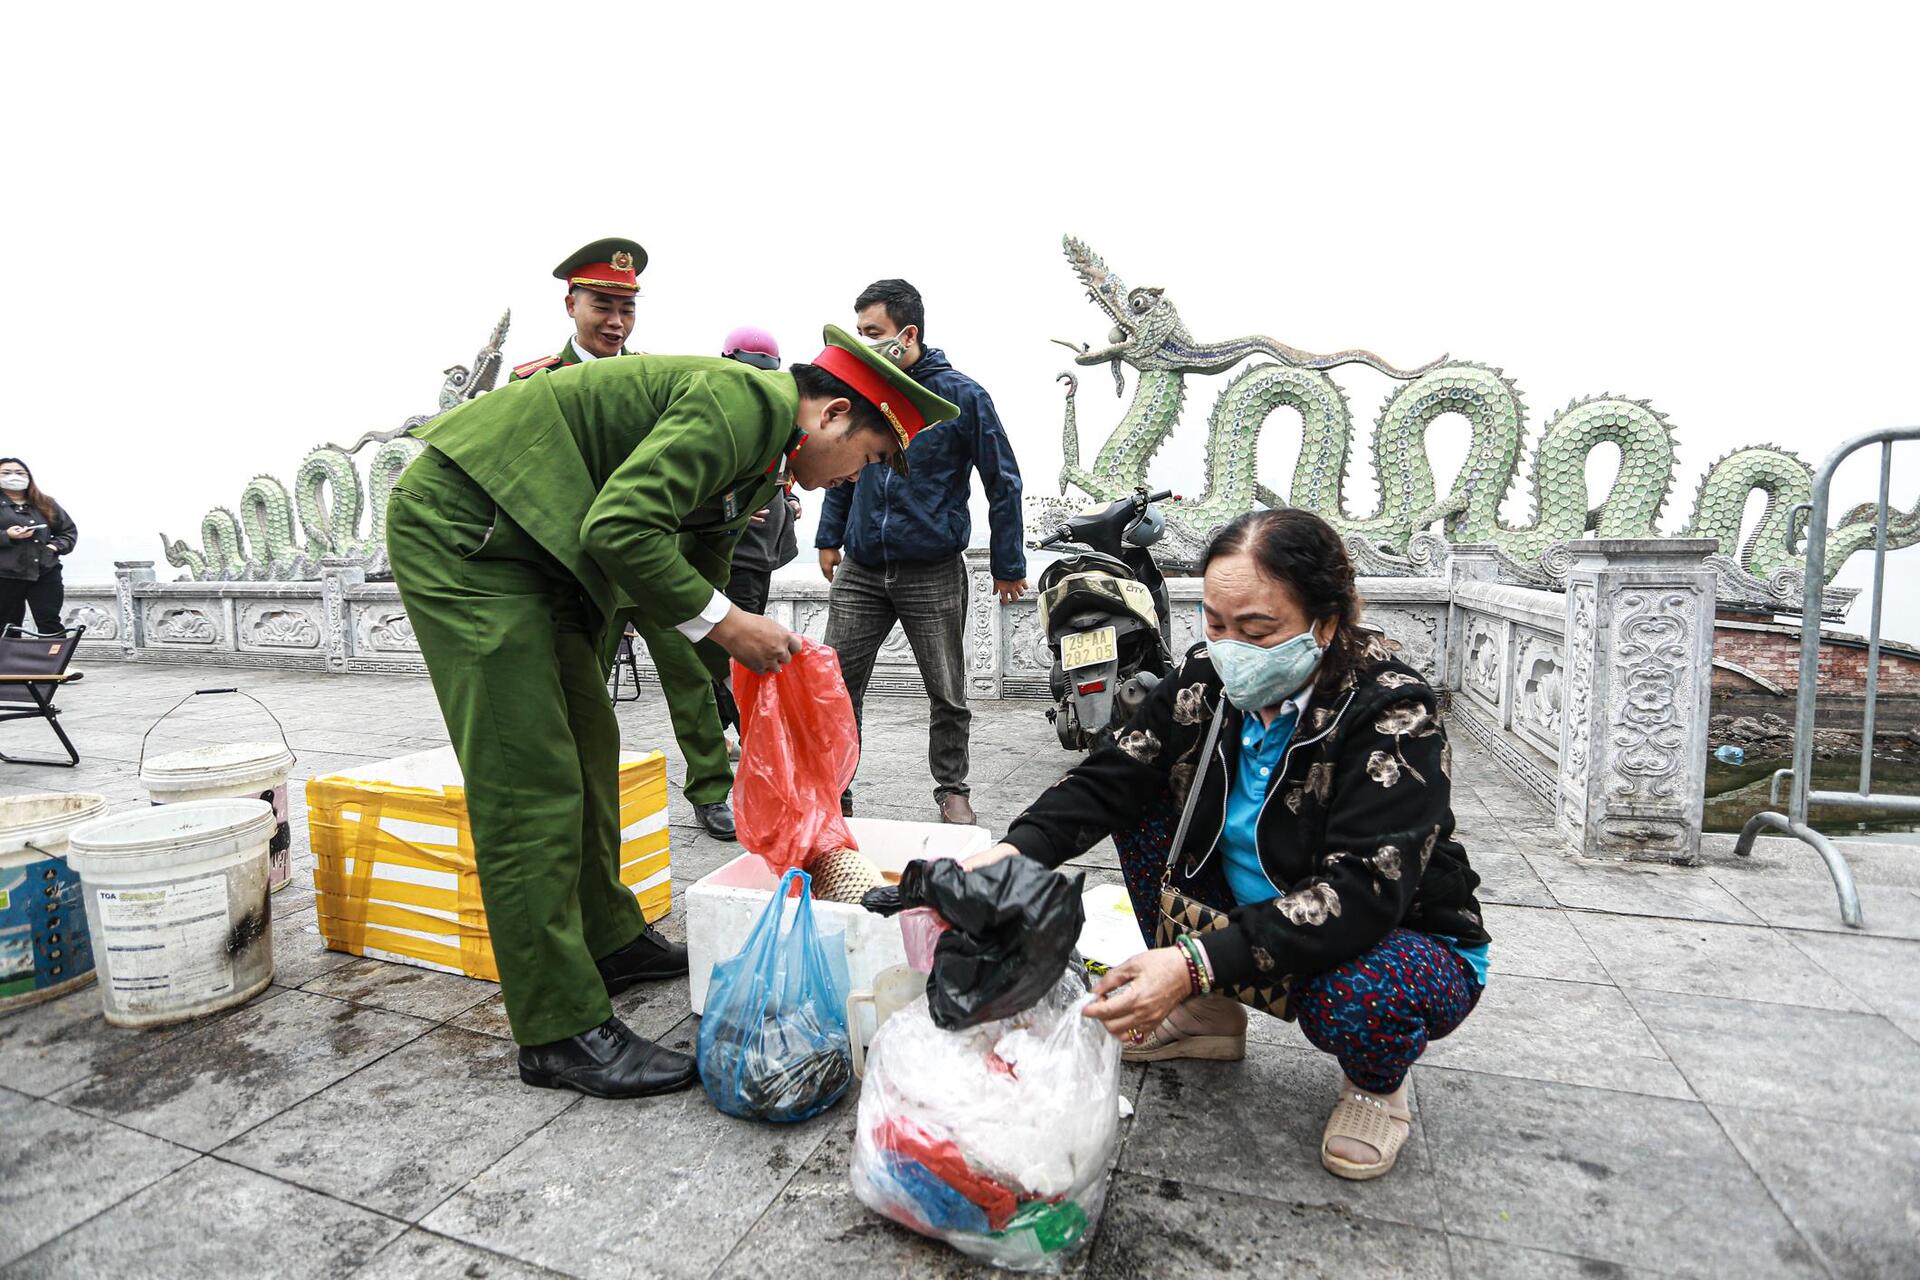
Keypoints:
pixel 1014 926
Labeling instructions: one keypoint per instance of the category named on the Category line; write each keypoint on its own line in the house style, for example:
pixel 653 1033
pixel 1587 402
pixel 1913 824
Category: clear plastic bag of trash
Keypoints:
pixel 997 1139
pixel 773 1039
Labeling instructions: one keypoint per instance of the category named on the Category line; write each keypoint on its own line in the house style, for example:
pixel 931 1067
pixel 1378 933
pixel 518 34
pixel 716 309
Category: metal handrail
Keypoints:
pixel 1801 795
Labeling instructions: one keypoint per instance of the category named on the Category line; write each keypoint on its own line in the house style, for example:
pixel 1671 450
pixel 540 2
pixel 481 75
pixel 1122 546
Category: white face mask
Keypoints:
pixel 14 484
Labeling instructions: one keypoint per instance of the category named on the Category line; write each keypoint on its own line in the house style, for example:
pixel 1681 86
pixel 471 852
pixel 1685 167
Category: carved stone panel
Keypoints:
pixel 278 626
pixel 100 624
pixel 985 621
pixel 1027 656
pixel 1416 631
pixel 1577 727
pixel 1480 674
pixel 810 618
pixel 1651 694
pixel 1538 690
pixel 183 624
pixel 380 629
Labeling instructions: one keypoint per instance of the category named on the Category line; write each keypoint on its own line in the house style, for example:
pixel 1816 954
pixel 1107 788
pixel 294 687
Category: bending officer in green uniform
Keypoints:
pixel 602 279
pixel 537 515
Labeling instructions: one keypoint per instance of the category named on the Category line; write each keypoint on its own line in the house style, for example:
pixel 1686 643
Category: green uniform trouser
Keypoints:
pixel 687 672
pixel 513 646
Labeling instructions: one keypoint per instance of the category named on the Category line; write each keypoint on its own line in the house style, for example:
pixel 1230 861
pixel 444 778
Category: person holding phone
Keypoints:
pixel 35 532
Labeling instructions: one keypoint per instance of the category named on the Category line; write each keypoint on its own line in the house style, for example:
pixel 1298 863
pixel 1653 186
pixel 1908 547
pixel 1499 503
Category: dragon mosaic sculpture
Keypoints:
pixel 1149 336
pixel 265 542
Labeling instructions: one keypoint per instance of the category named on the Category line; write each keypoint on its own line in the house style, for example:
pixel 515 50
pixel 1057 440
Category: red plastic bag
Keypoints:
pixel 799 747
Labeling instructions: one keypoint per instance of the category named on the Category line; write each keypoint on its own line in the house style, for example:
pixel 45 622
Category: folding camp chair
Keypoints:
pixel 625 657
pixel 32 667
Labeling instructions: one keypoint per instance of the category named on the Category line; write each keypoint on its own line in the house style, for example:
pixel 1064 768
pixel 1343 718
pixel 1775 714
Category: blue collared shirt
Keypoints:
pixel 1263 749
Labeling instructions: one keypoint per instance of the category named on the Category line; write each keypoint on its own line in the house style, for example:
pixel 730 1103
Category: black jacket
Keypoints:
pixel 31 561
pixel 1358 827
pixel 770 544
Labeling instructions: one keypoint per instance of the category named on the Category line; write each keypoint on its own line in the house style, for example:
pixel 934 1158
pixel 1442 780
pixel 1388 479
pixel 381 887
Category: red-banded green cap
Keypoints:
pixel 610 266
pixel 908 407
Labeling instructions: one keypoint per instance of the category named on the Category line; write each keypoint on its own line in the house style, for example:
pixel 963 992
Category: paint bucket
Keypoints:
pixel 237 770
pixel 176 900
pixel 45 950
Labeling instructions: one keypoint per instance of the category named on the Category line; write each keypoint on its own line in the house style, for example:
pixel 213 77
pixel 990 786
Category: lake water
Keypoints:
pixel 1736 792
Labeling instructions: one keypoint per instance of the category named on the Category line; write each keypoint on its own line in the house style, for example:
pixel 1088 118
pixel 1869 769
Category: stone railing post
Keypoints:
pixel 984 623
pixel 336 577
pixel 133 624
pixel 1466 562
pixel 1633 747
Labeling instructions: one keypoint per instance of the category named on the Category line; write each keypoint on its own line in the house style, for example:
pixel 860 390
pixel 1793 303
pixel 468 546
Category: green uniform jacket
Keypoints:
pixel 636 474
pixel 567 358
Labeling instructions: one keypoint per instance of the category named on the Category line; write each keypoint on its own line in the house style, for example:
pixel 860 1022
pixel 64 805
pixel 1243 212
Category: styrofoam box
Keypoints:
pixel 723 907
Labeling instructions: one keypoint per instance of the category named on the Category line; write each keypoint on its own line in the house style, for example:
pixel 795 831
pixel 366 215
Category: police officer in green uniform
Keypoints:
pixel 535 517
pixel 602 279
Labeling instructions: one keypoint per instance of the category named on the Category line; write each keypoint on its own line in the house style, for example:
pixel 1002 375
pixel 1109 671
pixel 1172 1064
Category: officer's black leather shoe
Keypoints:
pixel 607 1062
pixel 646 958
pixel 717 818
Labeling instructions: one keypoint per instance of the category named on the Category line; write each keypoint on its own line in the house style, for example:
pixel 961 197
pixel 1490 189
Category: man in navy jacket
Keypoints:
pixel 902 540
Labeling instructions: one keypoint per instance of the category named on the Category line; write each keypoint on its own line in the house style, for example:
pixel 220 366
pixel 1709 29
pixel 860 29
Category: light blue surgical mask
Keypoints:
pixel 1257 676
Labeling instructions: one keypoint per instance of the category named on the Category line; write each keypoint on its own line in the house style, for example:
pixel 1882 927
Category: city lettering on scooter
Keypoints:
pixel 1103 607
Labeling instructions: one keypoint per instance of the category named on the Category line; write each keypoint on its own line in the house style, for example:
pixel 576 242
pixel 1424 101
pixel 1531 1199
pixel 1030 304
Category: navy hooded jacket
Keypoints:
pixel 882 519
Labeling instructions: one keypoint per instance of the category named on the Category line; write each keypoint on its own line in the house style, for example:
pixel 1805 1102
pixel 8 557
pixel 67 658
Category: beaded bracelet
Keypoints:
pixel 1198 978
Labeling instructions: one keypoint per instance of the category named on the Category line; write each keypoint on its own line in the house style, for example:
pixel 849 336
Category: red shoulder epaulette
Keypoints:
pixel 532 367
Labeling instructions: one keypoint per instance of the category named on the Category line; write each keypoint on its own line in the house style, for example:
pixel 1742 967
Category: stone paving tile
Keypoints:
pixel 300 954
pixel 1783 1058
pixel 581 1194
pixel 1491 1260
pixel 1697 958
pixel 1505 877
pixel 1889 911
pixel 816 1227
pixel 58 1168
pixel 652 1010
pixel 1641 890
pixel 406 1132
pixel 224 1077
pixel 48 1047
pixel 1157 1228
pixel 1568 1032
pixel 1530 942
pixel 1883 972
pixel 402 988
pixel 1613 1176
pixel 1853 1191
pixel 1253 1128
pixel 421 1255
pixel 214 1219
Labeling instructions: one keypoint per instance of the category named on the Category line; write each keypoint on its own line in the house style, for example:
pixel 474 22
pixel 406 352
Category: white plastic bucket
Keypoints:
pixel 235 770
pixel 176 899
pixel 45 949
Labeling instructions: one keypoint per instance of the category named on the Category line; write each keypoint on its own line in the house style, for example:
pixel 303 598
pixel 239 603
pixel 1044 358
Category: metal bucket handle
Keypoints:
pixel 199 693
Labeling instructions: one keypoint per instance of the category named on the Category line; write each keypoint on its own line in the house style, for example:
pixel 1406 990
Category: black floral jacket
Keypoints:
pixel 1358 826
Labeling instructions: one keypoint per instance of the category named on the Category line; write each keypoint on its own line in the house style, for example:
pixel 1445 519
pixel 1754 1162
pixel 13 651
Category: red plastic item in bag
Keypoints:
pixel 799 747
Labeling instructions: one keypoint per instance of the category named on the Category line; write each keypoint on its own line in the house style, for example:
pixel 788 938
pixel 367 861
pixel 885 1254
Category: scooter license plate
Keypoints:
pixel 1088 648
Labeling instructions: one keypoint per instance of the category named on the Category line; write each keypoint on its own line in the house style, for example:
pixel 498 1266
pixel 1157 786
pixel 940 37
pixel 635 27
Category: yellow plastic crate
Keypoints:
pixel 394 858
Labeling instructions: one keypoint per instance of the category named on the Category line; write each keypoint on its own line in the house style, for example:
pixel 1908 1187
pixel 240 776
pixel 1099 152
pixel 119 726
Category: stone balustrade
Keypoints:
pixel 1595 698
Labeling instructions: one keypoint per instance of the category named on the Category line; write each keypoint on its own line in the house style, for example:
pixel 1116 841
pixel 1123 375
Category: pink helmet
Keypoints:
pixel 752 346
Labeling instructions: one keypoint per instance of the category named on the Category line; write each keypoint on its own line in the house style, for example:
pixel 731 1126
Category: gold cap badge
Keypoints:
pixel 621 260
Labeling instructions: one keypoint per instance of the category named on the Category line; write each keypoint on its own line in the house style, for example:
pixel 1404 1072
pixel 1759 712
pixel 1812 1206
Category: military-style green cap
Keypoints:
pixel 908 407
pixel 611 266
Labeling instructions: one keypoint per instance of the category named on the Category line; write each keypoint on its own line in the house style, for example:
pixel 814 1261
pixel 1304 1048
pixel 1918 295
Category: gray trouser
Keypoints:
pixel 929 601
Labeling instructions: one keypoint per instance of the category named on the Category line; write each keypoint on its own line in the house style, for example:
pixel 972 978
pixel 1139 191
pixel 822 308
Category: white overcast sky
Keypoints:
pixel 234 232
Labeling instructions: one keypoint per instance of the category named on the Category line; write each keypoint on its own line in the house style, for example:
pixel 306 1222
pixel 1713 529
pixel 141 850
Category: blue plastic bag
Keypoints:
pixel 773 1039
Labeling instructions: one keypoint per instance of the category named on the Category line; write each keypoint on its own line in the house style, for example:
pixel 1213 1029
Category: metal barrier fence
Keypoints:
pixel 1802 796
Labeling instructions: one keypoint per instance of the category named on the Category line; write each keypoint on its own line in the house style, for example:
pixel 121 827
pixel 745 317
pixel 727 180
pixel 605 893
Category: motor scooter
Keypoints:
pixel 1103 609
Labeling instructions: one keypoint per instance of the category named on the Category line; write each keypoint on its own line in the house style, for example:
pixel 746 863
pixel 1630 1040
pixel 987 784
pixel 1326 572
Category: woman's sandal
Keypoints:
pixel 1208 1028
pixel 1364 1118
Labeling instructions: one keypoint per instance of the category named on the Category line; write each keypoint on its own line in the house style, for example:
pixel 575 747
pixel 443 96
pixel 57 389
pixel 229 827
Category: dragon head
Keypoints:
pixel 1144 320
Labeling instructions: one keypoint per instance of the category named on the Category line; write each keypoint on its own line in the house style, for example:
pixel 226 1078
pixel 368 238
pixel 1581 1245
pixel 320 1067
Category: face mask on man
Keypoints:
pixel 14 484
pixel 1256 677
pixel 892 348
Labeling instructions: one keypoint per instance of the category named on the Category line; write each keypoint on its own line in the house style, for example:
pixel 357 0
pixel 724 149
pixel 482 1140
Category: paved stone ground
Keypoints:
pixel 1694 1072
